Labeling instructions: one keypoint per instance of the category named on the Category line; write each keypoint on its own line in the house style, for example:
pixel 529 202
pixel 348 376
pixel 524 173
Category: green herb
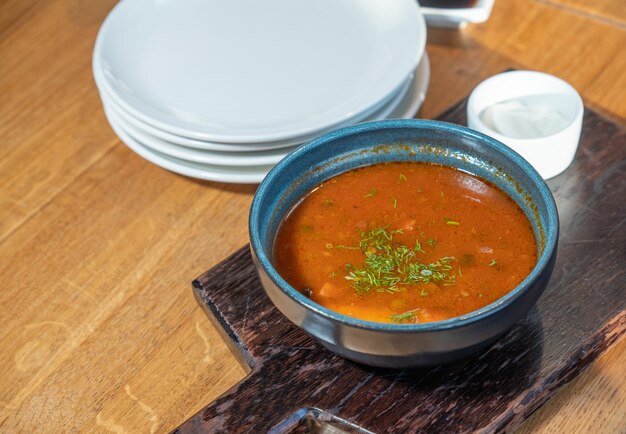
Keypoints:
pixel 431 242
pixel 373 192
pixel 480 295
pixel 423 293
pixel 402 178
pixel 328 202
pixel 388 265
pixel 493 262
pixel 342 246
pixel 395 202
pixel 332 274
pixel 379 238
pixel 452 222
pixel 434 272
pixel 408 316
pixel 460 272
pixel 418 247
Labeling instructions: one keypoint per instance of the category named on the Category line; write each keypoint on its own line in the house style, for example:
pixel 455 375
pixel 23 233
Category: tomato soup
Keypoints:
pixel 405 243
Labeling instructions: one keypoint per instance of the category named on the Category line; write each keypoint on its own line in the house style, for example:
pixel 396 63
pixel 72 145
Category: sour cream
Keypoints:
pixel 527 117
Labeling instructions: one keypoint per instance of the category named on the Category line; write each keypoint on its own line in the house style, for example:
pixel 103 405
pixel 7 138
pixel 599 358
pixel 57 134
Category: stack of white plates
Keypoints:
pixel 222 90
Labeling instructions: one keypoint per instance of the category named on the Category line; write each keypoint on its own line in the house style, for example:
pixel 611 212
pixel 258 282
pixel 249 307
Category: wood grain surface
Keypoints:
pixel 576 320
pixel 99 331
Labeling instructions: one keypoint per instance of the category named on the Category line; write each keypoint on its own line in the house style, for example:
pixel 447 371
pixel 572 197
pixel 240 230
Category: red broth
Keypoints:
pixel 405 243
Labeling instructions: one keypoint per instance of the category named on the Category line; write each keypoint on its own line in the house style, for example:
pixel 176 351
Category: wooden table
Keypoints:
pixel 98 327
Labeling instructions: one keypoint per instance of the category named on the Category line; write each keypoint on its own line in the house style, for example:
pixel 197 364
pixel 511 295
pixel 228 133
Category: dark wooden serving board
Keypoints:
pixel 295 384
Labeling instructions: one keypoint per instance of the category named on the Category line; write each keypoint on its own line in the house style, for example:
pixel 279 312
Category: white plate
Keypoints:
pixel 255 174
pixel 218 158
pixel 252 158
pixel 192 143
pixel 369 114
pixel 416 94
pixel 235 175
pixel 247 71
pixel 406 108
pixel 131 124
pixel 256 158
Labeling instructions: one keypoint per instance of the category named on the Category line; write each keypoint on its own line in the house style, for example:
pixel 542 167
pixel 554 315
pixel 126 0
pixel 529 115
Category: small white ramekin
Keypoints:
pixel 551 154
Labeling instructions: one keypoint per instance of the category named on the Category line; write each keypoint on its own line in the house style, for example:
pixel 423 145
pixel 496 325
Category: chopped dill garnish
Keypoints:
pixel 402 178
pixel 388 265
pixel 332 274
pixel 423 293
pixel 418 247
pixel 434 272
pixel 460 272
pixel 395 202
pixel 342 246
pixel 480 295
pixel 373 192
pixel 408 316
pixel 431 242
pixel 378 239
pixel 493 262
pixel 452 222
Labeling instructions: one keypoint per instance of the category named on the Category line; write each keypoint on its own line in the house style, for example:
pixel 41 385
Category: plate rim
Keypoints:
pixel 249 137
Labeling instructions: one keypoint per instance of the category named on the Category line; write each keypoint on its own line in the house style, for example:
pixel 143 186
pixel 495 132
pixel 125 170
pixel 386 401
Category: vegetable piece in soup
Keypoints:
pixel 405 243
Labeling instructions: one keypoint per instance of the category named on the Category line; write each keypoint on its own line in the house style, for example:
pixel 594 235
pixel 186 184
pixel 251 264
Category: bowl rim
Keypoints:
pixel 263 259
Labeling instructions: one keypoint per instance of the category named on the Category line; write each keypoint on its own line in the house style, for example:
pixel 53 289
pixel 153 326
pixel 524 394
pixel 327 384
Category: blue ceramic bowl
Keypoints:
pixel 402 345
